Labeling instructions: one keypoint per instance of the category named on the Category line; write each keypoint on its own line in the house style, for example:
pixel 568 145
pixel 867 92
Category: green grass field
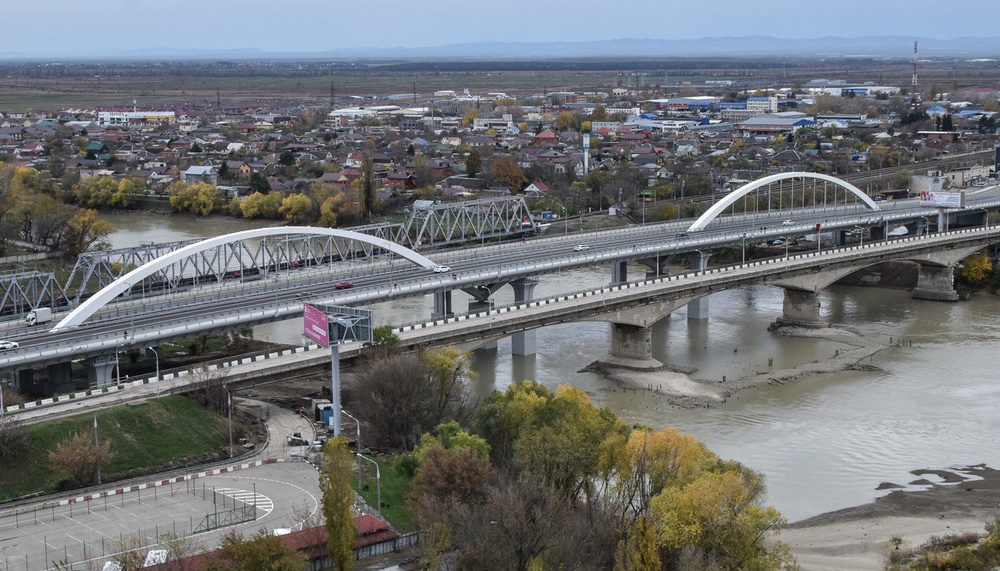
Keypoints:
pixel 144 435
pixel 394 489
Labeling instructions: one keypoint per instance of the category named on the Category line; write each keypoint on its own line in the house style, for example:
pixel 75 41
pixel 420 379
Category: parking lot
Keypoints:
pixel 200 509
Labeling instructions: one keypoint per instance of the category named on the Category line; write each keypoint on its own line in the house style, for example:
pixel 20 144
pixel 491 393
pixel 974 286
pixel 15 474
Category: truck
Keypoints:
pixel 38 316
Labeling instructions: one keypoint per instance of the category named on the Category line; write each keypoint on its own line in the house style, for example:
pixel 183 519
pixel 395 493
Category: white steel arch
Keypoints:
pixel 116 288
pixel 731 198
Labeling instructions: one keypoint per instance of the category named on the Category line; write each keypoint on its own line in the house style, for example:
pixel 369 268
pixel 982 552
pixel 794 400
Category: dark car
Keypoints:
pixel 343 285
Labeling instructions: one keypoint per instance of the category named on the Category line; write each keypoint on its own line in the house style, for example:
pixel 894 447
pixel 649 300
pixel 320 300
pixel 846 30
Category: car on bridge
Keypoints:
pixel 787 223
pixel 4 345
pixel 343 285
pixel 581 248
pixel 441 269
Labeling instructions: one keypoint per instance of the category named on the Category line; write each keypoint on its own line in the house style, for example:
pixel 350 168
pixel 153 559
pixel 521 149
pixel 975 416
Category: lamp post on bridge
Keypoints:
pixel 157 369
pixel 118 369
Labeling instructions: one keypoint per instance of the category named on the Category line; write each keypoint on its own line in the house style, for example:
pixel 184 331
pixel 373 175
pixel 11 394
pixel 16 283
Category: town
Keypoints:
pixel 568 152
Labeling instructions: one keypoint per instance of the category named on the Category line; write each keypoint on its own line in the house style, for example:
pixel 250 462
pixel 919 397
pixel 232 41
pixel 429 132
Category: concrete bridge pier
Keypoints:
pixel 800 309
pixel 631 347
pixel 936 283
pixel 442 305
pixel 100 371
pixel 619 272
pixel 698 309
pixel 657 266
pixel 60 379
pixel 523 342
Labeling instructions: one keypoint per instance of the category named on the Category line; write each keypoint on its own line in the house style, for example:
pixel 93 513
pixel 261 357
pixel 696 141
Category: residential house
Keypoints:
pixel 195 174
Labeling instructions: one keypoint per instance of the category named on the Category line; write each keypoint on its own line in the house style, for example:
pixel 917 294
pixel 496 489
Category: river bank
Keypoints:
pixel 935 503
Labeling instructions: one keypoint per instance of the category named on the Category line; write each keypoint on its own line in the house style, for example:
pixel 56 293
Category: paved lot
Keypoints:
pixel 87 530
pixel 278 495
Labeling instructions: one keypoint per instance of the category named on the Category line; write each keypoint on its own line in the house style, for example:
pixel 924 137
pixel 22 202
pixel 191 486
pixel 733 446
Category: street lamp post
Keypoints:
pixel 229 401
pixel 118 369
pixel 378 484
pixel 358 447
pixel 157 369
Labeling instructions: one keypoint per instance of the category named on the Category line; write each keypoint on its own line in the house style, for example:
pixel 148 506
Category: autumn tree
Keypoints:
pixel 267 206
pixel 717 521
pixel 505 172
pixel 566 120
pixel 976 268
pixel 200 198
pixel 367 182
pixel 297 209
pixel 85 231
pixel 473 163
pixel 470 116
pixel 338 502
pixel 79 458
pixel 262 551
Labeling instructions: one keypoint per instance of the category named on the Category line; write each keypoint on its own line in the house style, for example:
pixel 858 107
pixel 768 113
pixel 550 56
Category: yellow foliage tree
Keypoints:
pixel 977 268
pixel 717 517
pixel 297 209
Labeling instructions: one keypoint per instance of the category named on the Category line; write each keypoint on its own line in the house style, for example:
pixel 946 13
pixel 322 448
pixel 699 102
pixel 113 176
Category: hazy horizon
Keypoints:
pixel 115 28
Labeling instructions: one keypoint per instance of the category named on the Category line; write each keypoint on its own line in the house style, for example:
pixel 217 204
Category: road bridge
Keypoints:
pixel 631 309
pixel 477 271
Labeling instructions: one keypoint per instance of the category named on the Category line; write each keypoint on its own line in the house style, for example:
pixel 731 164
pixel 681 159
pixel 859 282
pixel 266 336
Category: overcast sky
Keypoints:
pixel 48 27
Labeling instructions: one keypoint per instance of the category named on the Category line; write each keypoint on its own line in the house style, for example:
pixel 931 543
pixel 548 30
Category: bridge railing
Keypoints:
pixel 764 266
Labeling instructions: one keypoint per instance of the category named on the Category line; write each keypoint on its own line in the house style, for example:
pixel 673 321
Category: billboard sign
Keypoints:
pixel 942 199
pixel 316 325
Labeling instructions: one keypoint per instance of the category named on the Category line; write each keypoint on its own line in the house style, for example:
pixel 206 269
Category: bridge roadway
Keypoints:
pixel 474 329
pixel 151 321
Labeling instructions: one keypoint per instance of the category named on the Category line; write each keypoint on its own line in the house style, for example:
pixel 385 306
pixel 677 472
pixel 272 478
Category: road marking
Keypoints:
pixel 261 501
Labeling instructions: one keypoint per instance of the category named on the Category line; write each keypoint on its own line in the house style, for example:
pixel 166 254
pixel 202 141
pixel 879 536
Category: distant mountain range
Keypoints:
pixel 751 46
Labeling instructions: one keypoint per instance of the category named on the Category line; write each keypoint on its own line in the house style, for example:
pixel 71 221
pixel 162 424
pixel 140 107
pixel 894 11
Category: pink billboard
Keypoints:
pixel 316 327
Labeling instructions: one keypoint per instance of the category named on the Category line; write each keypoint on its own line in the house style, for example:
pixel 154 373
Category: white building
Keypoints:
pixel 128 117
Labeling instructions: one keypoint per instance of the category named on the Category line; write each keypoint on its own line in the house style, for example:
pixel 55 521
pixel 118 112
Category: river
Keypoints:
pixel 824 442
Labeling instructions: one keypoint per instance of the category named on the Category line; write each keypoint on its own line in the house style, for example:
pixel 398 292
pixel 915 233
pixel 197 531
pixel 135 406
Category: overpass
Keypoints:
pixel 479 272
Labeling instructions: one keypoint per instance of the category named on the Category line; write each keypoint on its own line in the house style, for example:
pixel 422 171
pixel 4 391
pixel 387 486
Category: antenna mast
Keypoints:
pixel 913 83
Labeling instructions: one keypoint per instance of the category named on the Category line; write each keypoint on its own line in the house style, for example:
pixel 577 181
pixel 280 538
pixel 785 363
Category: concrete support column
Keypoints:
pixel 476 306
pixel 442 305
pixel 631 347
pixel 936 283
pixel 657 267
pixel 698 309
pixel 619 272
pixel 24 380
pixel 100 371
pixel 800 309
pixel 839 237
pixel 876 233
pixel 523 343
pixel 60 379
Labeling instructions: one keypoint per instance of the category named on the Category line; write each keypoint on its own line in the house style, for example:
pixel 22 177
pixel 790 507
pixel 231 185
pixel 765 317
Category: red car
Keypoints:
pixel 343 285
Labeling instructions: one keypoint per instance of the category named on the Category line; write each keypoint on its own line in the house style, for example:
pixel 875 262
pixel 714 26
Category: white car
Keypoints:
pixel 581 248
pixel 441 269
pixel 787 223
pixel 4 345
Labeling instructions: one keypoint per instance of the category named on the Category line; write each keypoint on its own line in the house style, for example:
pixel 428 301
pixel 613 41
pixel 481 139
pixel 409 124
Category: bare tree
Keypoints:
pixel 179 548
pixel 403 397
pixel 79 457
pixel 13 438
